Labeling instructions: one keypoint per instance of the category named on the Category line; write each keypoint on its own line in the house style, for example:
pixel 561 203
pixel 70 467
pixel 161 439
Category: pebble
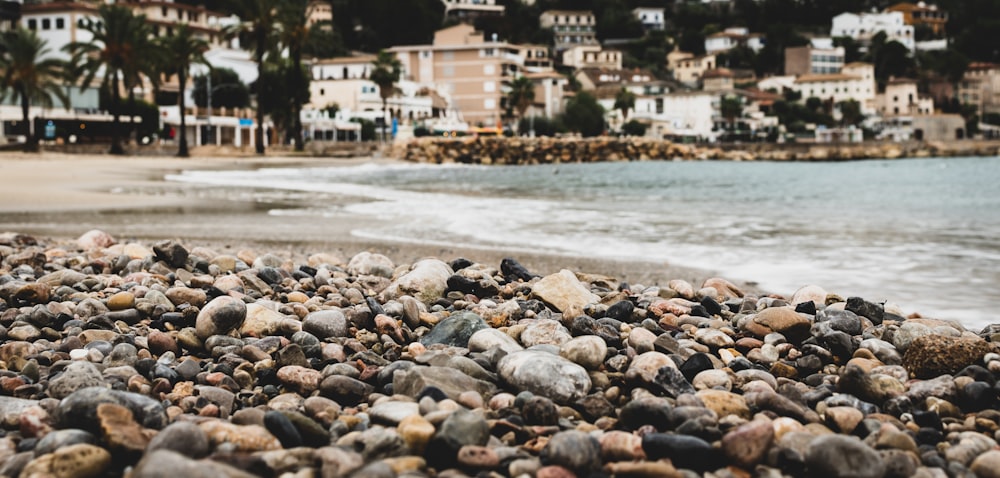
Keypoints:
pixel 291 367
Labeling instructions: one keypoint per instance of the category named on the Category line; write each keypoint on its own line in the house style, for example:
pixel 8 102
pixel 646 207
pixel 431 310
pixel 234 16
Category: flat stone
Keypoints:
pixel 564 292
pixel 545 374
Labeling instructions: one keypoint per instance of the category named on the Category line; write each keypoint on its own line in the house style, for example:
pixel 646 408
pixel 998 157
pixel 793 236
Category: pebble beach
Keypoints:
pixel 223 354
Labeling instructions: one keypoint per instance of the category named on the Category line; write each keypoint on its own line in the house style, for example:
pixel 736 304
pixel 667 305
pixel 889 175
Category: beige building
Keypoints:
pixel 318 11
pixel 902 99
pixel 164 16
pixel 718 79
pixel 474 72
pixel 687 68
pixel 810 60
pixel 570 27
pixel 981 87
pixel 592 56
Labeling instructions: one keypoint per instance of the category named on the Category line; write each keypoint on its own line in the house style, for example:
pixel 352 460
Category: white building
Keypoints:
pixel 862 27
pixel 470 9
pixel 733 37
pixel 836 87
pixel 686 114
pixel 651 18
pixel 902 99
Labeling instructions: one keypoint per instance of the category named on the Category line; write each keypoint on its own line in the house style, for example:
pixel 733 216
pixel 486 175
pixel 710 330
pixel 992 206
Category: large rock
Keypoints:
pixel 219 316
pixel 264 322
pixel 451 381
pixel 426 281
pixel 837 456
pixel 75 376
pixel 545 374
pixel 455 330
pixel 326 323
pixel 79 409
pixel 366 263
pixel 564 292
pixel 783 320
pixel 932 355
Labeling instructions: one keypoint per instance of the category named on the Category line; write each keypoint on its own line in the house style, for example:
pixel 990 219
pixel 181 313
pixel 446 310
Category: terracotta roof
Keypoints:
pixel 718 73
pixel 346 60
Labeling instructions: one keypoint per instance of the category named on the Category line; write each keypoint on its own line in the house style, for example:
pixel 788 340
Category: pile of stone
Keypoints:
pixel 129 360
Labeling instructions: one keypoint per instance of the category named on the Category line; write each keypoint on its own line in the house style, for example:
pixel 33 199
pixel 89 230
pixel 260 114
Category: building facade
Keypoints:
pixel 651 18
pixel 592 56
pixel 687 68
pixel 570 27
pixel 922 14
pixel 467 68
pixel 733 37
pixel 809 60
pixel 862 27
pixel 468 10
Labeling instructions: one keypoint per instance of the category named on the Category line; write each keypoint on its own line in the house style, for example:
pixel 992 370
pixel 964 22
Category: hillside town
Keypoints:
pixel 888 73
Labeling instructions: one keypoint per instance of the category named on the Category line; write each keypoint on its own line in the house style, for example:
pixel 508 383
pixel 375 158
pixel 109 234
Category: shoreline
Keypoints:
pixel 129 198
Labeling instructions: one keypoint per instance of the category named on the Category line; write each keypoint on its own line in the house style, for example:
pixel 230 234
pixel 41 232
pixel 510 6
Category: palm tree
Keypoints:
pixel 110 52
pixel 385 74
pixel 258 20
pixel 293 32
pixel 30 75
pixel 624 101
pixel 183 50
pixel 521 95
pixel 149 60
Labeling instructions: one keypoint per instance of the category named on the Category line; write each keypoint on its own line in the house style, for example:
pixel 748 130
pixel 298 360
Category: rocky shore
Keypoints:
pixel 169 359
pixel 521 151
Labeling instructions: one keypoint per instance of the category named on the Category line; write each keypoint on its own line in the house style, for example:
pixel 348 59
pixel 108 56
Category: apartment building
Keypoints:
pixel 862 27
pixel 837 87
pixel 980 86
pixel 592 56
pixel 570 27
pixel 164 16
pixel 814 59
pixel 471 70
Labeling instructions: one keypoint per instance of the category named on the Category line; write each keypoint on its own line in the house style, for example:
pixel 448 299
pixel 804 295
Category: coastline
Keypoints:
pixel 61 196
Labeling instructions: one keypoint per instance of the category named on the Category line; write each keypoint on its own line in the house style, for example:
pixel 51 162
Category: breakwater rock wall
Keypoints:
pixel 517 151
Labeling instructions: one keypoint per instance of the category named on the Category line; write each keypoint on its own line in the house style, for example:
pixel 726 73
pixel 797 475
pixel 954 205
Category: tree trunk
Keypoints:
pixel 259 132
pixel 385 109
pixel 296 105
pixel 30 138
pixel 182 148
pixel 116 124
pixel 131 118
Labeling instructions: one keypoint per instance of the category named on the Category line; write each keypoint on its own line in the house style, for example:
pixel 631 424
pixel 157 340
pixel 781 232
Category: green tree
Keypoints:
pixel 257 20
pixel 850 113
pixel 634 128
pixel 149 60
pixel 852 48
pixel 110 53
pixel 584 115
pixel 624 101
pixel 292 33
pixel 227 89
pixel 324 41
pixel 278 88
pixel 183 50
pixel 30 75
pixel 386 72
pixel 731 108
pixel 521 95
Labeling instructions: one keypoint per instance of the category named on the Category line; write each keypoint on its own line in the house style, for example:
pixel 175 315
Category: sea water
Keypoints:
pixel 921 233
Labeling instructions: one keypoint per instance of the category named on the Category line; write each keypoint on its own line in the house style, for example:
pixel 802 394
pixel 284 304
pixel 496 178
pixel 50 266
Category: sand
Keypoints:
pixel 61 196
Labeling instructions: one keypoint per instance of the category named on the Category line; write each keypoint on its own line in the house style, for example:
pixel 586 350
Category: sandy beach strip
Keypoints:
pixel 61 196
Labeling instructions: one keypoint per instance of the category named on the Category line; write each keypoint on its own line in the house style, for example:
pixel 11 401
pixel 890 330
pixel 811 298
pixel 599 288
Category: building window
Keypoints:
pixel 60 23
pixel 448 71
pixel 163 13
pixel 489 69
pixel 489 52
pixel 489 103
pixel 32 24
pixel 321 92
pixel 46 24
pixel 489 86
pixel 448 56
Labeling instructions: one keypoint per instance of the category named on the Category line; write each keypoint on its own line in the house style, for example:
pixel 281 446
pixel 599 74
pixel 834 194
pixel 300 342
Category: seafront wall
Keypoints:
pixel 516 151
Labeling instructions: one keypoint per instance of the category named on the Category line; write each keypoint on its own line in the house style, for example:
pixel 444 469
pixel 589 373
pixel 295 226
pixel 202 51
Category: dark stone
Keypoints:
pixel 711 306
pixel 56 439
pixel 929 436
pixel 843 320
pixel 540 411
pixel 740 363
pixel 460 263
pixel 645 411
pixel 374 306
pixel 312 433
pixel 514 271
pixel 584 325
pixel 594 406
pixel 573 450
pixel 174 254
pixel 79 409
pixel 843 456
pixel 874 312
pixel 455 330
pixel 700 311
pixel 927 419
pixel 282 428
pixel 182 437
pixel 976 396
pixel 978 373
pixel 460 428
pixel 465 285
pixel 671 382
pixel 621 311
pixel 345 390
pixel 807 307
pixel 696 364
pixel 684 451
